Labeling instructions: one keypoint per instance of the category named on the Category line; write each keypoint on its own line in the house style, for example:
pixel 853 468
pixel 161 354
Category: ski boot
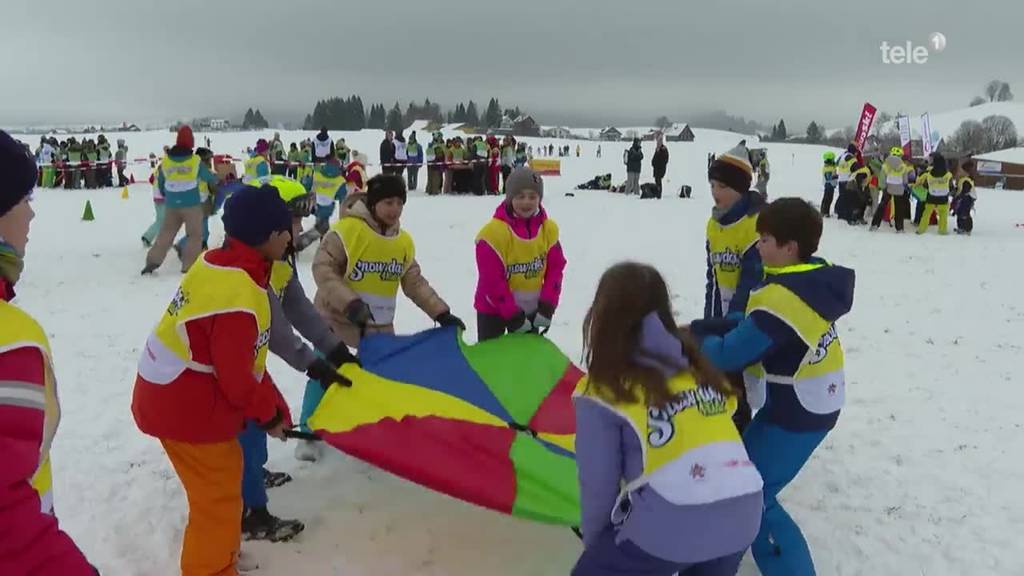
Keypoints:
pixel 259 524
pixel 275 479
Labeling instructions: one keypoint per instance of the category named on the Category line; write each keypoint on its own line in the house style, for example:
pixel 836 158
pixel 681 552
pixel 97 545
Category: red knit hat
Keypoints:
pixel 185 138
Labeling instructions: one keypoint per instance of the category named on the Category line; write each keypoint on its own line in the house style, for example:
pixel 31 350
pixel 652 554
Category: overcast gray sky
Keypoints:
pixel 583 61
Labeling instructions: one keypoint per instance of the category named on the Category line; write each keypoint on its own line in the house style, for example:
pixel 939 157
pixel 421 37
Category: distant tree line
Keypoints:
pixel 350 114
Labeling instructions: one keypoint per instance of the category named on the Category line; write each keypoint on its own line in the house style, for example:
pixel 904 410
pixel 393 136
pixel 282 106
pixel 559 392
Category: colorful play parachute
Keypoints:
pixel 491 424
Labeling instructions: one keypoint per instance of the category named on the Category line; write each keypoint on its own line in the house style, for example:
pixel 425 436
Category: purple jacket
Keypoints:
pixel 608 452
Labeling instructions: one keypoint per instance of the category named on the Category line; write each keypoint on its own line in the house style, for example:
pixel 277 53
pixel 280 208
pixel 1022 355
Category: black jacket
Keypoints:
pixel 387 151
pixel 660 161
pixel 634 157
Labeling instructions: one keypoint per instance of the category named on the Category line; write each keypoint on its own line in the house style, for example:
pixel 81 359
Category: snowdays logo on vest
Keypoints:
pixel 177 303
pixel 709 402
pixel 530 269
pixel 388 271
pixel 726 261
pixel 262 340
pixel 826 340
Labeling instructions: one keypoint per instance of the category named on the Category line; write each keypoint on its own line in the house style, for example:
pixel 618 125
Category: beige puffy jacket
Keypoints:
pixel 334 294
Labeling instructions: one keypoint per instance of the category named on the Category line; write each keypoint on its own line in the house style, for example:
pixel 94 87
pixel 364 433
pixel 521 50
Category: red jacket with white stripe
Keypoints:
pixel 31 542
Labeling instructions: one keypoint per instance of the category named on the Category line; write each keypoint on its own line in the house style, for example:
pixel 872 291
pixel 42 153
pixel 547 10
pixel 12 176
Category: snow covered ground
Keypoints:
pixel 921 476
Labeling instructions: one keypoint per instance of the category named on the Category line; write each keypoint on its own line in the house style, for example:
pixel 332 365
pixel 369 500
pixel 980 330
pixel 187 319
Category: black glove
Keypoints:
pixel 322 371
pixel 449 319
pixel 358 313
pixel 341 355
pixel 519 324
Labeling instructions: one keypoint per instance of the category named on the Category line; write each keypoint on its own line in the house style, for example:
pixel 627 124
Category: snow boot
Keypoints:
pixel 308 451
pixel 259 524
pixel 275 479
pixel 149 269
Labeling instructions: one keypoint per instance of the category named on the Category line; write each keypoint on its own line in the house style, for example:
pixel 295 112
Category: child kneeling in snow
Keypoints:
pixel 666 486
pixel 790 349
pixel 203 374
pixel 360 264
pixel 519 262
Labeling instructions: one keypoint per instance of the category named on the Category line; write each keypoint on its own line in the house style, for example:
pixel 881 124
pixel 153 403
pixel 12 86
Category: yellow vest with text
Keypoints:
pixel 844 167
pixel 526 261
pixel 19 330
pixel 726 246
pixel 967 180
pixel 180 176
pixel 938 186
pixel 820 379
pixel 692 453
pixel 376 265
pixel 206 290
pixel 326 188
pixel 252 175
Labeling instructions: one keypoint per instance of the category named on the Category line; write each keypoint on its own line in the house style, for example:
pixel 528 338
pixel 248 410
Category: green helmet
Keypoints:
pixel 300 201
pixel 830 155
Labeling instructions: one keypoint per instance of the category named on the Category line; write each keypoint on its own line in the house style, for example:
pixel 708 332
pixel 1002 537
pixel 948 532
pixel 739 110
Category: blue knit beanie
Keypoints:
pixel 17 173
pixel 252 214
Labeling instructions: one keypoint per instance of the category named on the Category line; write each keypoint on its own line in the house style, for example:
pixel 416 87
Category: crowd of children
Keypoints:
pixel 87 164
pixel 675 476
pixel 881 189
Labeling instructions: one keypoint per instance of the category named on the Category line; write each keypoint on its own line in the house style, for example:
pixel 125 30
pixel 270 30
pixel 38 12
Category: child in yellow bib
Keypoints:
pixel 666 486
pixel 519 262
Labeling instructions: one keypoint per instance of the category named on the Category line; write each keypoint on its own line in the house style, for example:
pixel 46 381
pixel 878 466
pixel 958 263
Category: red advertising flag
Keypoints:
pixel 867 118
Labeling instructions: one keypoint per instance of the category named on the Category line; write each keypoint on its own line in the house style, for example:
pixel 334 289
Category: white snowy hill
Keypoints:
pixel 921 475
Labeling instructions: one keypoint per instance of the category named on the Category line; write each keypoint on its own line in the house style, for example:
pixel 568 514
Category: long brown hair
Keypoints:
pixel 626 294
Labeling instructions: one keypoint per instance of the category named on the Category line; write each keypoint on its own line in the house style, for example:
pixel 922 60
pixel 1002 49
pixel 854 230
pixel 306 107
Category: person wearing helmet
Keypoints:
pixel 896 171
pixel 329 187
pixel 828 173
pixel 290 311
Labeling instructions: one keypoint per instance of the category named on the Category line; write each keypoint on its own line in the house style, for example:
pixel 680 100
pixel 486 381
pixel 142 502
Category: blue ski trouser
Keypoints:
pixel 779 548
pixel 310 400
pixel 254 454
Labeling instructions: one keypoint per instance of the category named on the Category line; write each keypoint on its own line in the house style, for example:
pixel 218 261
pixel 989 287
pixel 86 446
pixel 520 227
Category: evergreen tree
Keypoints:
pixel 813 133
pixel 492 117
pixel 247 121
pixel 472 116
pixel 394 119
pixel 258 121
pixel 782 130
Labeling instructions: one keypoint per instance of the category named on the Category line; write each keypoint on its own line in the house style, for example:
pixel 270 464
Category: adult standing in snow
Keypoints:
pixel 634 156
pixel 660 162
pixel 31 541
pixel 323 147
pixel 178 178
pixel 387 153
pixel 277 155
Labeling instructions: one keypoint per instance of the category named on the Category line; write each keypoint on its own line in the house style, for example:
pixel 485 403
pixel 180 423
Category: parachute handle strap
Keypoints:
pixel 521 428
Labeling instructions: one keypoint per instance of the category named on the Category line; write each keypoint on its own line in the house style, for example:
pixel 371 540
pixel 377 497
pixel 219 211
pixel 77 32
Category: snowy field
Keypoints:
pixel 921 476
